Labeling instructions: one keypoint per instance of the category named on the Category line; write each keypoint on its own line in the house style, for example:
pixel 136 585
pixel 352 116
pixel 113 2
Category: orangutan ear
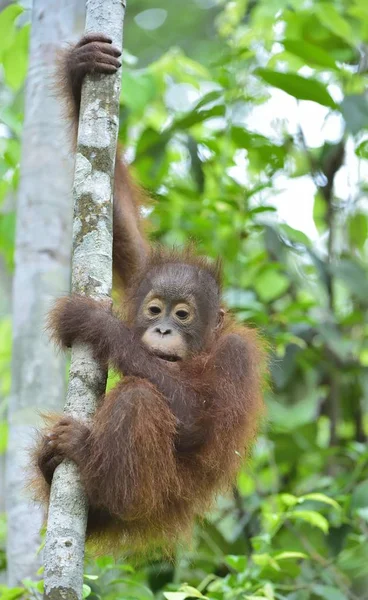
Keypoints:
pixel 220 318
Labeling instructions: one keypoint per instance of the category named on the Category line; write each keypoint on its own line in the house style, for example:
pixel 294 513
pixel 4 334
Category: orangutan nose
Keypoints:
pixel 163 330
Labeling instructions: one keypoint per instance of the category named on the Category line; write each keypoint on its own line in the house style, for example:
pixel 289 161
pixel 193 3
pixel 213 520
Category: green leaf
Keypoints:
pixel 353 558
pixel 310 53
pixel 363 513
pixel 268 591
pixel 290 555
pixel 319 212
pixel 295 235
pixel 186 591
pixel 7 28
pixel 137 590
pixel 191 591
pixel 355 112
pixel 270 284
pixel 11 120
pixel 105 562
pixel 327 592
pixel 15 59
pixel 86 590
pixel 29 584
pixel 310 516
pixel 7 236
pixel 354 276
pixel 199 116
pixel 332 20
pixel 213 96
pixel 137 90
pixel 318 497
pixel 175 595
pixel 11 594
pixel 3 436
pixel 289 418
pixel 362 150
pixel 288 499
pixel 298 86
pixel 363 357
pixel 358 230
pixel 359 498
pixel 112 379
pixel 264 560
pixel 238 563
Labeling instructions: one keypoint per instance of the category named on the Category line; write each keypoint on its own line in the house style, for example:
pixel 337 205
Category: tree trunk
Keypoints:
pixel 91 276
pixel 5 307
pixel 42 270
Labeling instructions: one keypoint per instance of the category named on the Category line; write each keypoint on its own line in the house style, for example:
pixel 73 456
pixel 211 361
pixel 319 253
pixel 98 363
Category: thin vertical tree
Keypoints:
pixel 91 276
pixel 42 270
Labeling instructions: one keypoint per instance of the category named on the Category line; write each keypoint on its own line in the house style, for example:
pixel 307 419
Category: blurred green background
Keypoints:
pixel 247 123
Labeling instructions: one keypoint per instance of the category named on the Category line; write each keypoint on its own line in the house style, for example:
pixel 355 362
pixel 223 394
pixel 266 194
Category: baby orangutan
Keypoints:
pixel 174 430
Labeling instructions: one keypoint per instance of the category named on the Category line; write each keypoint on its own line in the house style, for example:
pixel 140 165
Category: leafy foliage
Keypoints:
pixel 228 147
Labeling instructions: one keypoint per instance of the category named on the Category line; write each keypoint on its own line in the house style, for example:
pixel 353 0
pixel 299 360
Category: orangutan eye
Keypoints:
pixel 153 308
pixel 182 314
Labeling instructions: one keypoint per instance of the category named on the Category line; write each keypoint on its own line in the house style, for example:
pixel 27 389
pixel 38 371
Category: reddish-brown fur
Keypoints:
pixel 171 435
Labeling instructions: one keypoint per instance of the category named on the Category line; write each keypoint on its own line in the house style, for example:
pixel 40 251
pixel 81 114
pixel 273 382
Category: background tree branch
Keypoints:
pixel 42 271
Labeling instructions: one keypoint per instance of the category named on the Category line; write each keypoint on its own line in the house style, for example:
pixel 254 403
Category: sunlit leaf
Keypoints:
pixel 310 53
pixel 34 585
pixel 266 560
pixel 15 59
pixel 298 86
pixel 319 212
pixel 332 19
pixel 362 150
pixel 290 555
pixel 238 563
pixel 318 497
pixel 11 593
pixel 186 591
pixel 7 235
pixel 358 230
pixel 3 436
pixel 310 516
pixel 295 235
pixel 7 28
pixel 289 499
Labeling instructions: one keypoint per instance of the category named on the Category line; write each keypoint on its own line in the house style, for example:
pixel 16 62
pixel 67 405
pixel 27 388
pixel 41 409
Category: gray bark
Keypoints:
pixel 42 271
pixel 91 276
pixel 5 307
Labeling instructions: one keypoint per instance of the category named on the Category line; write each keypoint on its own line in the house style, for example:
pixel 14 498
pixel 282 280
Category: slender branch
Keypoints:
pixel 329 169
pixel 92 276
